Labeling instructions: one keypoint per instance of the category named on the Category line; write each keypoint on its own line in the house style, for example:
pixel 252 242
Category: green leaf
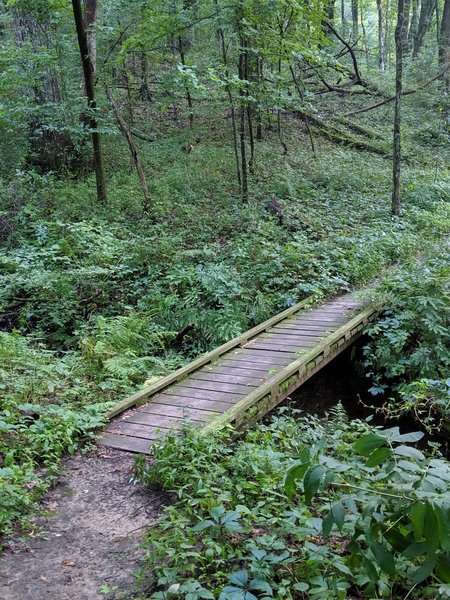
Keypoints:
pixel 327 524
pixel 368 443
pixel 443 567
pixel 414 436
pixel 417 516
pixel 338 513
pixel 311 482
pixel 294 474
pixel 384 557
pixel 409 452
pixel 378 456
pixel 424 571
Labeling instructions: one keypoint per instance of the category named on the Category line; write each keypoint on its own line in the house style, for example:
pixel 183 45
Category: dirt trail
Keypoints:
pixel 91 538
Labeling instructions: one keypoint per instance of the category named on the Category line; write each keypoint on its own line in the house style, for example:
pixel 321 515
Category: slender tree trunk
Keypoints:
pixel 300 93
pixel 242 123
pixel 90 18
pixel 355 20
pixel 231 103
pixel 188 93
pixel 413 26
pixel 251 162
pixel 131 145
pixel 144 90
pixel 381 63
pixel 260 75
pixel 88 73
pixel 427 9
pixel 399 42
pixel 444 43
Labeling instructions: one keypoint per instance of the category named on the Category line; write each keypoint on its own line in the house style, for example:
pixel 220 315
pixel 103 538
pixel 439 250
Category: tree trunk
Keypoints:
pixel 399 43
pixel 223 47
pixel 444 43
pixel 425 19
pixel 242 124
pixel 188 93
pixel 133 150
pixel 412 34
pixel 90 18
pixel 89 82
pixel 381 63
pixel 355 20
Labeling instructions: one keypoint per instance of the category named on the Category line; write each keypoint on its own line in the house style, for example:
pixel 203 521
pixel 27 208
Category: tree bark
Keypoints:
pixel 89 82
pixel 444 42
pixel 90 18
pixel 381 62
pixel 425 19
pixel 131 145
pixel 244 187
pixel 399 43
pixel 223 48
pixel 188 93
pixel 355 20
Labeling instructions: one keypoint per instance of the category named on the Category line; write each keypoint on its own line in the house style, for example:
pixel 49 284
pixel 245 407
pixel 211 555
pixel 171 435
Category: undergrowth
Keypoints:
pixel 300 507
pixel 96 300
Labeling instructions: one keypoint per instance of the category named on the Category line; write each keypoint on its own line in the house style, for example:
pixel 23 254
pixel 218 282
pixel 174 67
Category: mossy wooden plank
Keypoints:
pixel 245 365
pixel 226 378
pixel 218 386
pixel 123 442
pixel 182 390
pixel 190 402
pixel 180 412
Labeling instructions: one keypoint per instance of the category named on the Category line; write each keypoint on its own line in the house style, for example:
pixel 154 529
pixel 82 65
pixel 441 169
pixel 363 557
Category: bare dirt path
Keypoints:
pixel 89 543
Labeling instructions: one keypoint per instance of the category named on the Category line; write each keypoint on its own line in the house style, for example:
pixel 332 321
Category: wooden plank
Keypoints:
pixel 283 347
pixel 198 403
pixel 180 412
pixel 292 338
pixel 123 442
pixel 226 378
pixel 202 360
pixel 182 390
pixel 153 420
pixel 225 371
pixel 217 386
pixel 304 327
pixel 245 365
pixel 262 356
pixel 145 432
pixel 296 332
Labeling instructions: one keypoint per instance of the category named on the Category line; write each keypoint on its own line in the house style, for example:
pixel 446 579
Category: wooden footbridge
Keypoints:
pixel 242 380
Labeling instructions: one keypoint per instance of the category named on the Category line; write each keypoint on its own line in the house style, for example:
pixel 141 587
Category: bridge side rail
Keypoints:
pixel 202 360
pixel 263 399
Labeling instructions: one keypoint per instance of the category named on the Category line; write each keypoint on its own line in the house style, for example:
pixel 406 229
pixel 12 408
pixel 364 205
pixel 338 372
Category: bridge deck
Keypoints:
pixel 242 380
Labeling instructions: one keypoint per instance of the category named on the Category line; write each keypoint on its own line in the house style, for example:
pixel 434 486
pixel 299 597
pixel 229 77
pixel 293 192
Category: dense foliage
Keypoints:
pixel 300 507
pixel 409 353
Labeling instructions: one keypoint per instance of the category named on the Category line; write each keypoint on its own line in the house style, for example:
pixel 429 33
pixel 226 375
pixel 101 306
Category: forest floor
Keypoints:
pixel 88 544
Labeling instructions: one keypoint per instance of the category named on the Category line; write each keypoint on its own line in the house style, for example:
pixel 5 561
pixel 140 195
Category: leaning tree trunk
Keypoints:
pixel 381 62
pixel 399 43
pixel 89 82
pixel 132 147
